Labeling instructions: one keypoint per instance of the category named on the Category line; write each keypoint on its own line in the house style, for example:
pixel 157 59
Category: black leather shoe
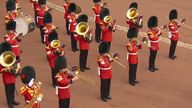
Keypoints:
pixel 156 69
pixel 136 82
pixel 87 68
pixel 82 70
pixel 15 103
pixel 132 83
pixel 109 97
pixel 77 49
pixel 172 57
pixel 104 100
pixel 151 70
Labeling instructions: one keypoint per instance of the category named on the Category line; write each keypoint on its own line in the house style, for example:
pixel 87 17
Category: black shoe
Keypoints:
pixel 156 69
pixel 104 100
pixel 82 70
pixel 77 49
pixel 74 50
pixel 175 56
pixel 132 83
pixel 172 57
pixel 109 97
pixel 87 68
pixel 136 82
pixel 151 70
pixel 15 103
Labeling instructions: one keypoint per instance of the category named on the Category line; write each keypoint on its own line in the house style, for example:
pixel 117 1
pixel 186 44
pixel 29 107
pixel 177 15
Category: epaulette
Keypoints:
pixel 100 58
pixel 59 78
pixel 47 47
pixel 23 89
pixel 170 23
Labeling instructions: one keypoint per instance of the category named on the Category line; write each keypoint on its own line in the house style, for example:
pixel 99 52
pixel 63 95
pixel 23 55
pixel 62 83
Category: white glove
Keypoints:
pixel 39 98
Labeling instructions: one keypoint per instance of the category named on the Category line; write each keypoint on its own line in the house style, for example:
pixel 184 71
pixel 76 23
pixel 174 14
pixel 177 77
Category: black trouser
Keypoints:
pixel 36 18
pixel 53 73
pixel 152 57
pixel 10 93
pixel 73 42
pixel 83 58
pixel 64 103
pixel 109 45
pixel 132 72
pixel 42 33
pixel 172 48
pixel 97 32
pixel 67 27
pixel 105 88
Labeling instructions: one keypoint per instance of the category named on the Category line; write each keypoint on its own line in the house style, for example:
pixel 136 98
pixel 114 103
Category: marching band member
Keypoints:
pixel 31 90
pixel 13 38
pixel 72 25
pixel 48 27
pixel 63 80
pixel 9 75
pixel 35 7
pixel 107 26
pixel 66 6
pixel 97 9
pixel 173 25
pixel 133 17
pixel 84 41
pixel 11 11
pixel 41 10
pixel 153 44
pixel 52 53
pixel 132 46
pixel 104 62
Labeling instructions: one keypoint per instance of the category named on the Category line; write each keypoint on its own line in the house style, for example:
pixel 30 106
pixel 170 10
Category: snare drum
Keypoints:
pixel 25 24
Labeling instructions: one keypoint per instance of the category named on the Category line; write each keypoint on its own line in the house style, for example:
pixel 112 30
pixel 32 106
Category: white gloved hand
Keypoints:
pixel 39 98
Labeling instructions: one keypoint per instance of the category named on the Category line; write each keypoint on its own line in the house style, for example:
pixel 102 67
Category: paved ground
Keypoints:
pixel 170 87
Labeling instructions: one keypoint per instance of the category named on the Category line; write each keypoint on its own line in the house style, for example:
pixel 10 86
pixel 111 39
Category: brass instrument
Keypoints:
pixel 132 13
pixel 82 29
pixel 114 58
pixel 145 40
pixel 36 94
pixel 107 19
pixel 7 60
pixel 56 44
pixel 111 24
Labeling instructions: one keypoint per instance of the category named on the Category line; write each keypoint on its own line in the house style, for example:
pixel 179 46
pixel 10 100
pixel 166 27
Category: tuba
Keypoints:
pixel 132 13
pixel 82 29
pixel 7 59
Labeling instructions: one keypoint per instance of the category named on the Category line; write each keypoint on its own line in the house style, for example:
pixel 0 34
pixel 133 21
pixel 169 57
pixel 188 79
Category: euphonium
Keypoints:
pixel 132 13
pixel 7 59
pixel 82 28
pixel 55 44
pixel 107 19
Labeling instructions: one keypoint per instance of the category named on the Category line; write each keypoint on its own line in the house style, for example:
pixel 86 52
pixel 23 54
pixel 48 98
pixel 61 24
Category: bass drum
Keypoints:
pixel 25 24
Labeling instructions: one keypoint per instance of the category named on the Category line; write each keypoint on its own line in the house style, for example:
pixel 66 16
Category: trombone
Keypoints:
pixel 114 58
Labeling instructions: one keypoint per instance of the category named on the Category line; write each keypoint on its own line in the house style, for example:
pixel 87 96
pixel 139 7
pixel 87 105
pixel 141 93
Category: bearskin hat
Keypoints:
pixel 72 7
pixel 82 18
pixel 103 48
pixel 60 63
pixel 132 33
pixel 10 5
pixel 152 22
pixel 42 2
pixel 104 12
pixel 52 36
pixel 47 18
pixel 27 73
pixel 173 14
pixel 133 5
pixel 11 25
pixel 5 46
pixel 96 1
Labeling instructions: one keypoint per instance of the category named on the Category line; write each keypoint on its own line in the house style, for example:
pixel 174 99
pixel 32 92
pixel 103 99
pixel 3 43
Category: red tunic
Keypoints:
pixel 72 22
pixel 51 56
pixel 11 16
pixel 11 38
pixel 8 77
pixel 47 30
pixel 174 32
pixel 132 52
pixel 97 10
pixel 28 93
pixel 104 69
pixel 106 32
pixel 35 4
pixel 83 44
pixel 66 5
pixel 63 84
pixel 40 13
pixel 153 35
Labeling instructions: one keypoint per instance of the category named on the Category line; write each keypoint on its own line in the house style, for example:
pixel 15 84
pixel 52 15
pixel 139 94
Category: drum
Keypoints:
pixel 25 24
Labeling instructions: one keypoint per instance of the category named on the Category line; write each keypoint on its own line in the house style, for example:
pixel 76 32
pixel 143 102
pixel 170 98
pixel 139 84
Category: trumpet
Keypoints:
pixel 76 70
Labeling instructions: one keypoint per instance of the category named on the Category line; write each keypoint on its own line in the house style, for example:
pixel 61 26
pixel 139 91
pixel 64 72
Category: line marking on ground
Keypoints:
pixel 124 29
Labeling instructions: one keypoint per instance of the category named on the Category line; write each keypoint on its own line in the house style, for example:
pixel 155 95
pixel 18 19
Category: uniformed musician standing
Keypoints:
pixel 31 90
pixel 173 25
pixel 153 43
pixel 9 75
pixel 63 79
pixel 104 70
pixel 35 7
pixel 66 6
pixel 84 41
pixel 132 46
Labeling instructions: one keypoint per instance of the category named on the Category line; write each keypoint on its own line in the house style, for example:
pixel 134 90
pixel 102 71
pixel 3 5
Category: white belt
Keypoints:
pixel 63 87
pixel 132 53
pixel 105 68
pixel 154 41
pixel 39 17
pixel 97 15
pixel 14 46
